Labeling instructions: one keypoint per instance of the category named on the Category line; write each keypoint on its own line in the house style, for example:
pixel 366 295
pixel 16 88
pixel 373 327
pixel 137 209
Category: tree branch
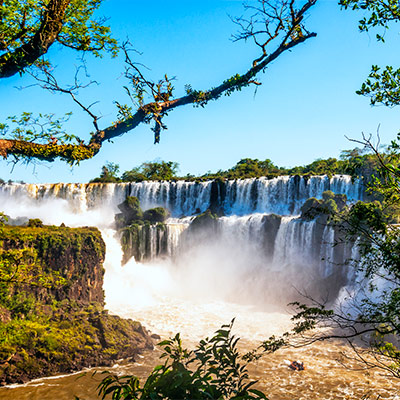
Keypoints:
pixel 163 103
pixel 24 56
pixel 202 98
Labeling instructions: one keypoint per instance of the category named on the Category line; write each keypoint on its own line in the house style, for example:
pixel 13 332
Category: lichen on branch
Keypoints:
pixel 153 100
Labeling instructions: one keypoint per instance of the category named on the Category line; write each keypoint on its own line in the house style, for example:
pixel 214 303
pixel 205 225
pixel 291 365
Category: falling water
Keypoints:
pixel 248 268
pixel 283 195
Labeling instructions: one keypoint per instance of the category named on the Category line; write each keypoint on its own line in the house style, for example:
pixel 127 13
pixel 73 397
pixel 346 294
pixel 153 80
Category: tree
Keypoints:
pixel 275 27
pixel 28 29
pixel 109 174
pixel 153 171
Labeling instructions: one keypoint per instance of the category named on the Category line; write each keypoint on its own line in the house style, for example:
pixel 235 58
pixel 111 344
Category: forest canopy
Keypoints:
pixel 359 163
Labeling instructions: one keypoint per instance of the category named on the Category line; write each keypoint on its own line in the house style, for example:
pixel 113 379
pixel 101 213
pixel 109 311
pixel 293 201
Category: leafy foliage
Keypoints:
pixel 21 20
pixel 328 207
pixel 214 370
pixel 356 162
pixel 44 128
pixel 109 174
pixel 379 13
pixel 153 171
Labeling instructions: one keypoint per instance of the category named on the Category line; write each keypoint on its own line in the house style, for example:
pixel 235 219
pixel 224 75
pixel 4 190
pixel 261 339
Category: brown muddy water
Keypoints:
pixel 151 294
pixel 328 375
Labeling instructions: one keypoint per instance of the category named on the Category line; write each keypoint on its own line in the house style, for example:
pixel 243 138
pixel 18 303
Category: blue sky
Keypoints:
pixel 303 110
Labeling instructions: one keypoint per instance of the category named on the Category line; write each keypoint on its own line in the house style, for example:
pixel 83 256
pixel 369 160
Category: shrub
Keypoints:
pixel 154 215
pixel 214 370
pixel 35 223
pixel 131 210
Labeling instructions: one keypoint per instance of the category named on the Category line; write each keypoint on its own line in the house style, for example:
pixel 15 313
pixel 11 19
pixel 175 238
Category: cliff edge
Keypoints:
pixel 52 317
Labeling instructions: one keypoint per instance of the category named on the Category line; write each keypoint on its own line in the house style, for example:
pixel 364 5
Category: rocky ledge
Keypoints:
pixel 52 317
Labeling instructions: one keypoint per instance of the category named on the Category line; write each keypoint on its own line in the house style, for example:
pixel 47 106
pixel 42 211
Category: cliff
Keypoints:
pixel 52 317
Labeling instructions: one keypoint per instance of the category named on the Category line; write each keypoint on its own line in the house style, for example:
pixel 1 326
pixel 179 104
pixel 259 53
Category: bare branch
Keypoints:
pixel 49 82
pixel 282 24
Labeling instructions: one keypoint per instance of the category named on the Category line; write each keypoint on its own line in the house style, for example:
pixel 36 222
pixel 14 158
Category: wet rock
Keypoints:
pixel 154 215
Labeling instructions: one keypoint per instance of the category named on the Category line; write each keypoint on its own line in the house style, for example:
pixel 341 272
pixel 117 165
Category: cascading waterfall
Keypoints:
pixel 282 195
pixel 250 257
pixel 182 198
pixel 150 242
pixel 328 250
pixel 286 247
pixel 247 264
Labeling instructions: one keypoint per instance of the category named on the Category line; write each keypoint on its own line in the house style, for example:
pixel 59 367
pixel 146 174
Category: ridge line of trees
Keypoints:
pixel 355 162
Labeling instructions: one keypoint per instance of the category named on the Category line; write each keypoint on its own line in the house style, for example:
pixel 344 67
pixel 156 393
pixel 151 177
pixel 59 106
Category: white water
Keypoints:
pixel 283 195
pixel 210 283
pixel 168 301
pixel 213 279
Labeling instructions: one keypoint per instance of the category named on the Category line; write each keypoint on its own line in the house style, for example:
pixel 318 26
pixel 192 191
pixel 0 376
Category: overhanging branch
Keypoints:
pixel 291 33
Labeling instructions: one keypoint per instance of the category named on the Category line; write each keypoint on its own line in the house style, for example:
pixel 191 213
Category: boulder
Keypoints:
pixel 155 215
pixel 130 209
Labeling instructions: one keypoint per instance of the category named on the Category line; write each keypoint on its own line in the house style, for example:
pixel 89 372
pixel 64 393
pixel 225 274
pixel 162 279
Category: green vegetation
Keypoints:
pixel 29 28
pixel 156 215
pixel 40 320
pixel 152 171
pixel 109 174
pixel 135 227
pixel 214 370
pixel 39 339
pixel 356 162
pixel 131 213
pixel 51 304
pixel 329 206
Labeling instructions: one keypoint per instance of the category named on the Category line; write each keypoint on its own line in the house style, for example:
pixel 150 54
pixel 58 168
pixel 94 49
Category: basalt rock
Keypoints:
pixel 271 224
pixel 144 241
pixel 52 317
pixel 130 209
pixel 155 215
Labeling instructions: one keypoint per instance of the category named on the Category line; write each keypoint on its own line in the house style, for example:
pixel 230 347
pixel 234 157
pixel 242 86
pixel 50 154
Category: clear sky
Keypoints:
pixel 303 110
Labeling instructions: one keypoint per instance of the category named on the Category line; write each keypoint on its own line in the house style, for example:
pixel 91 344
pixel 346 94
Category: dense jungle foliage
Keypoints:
pixel 356 162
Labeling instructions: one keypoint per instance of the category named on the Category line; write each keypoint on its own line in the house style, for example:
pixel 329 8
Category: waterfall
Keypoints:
pixel 328 250
pixel 260 244
pixel 283 195
pixel 150 242
pixel 181 198
pixel 174 232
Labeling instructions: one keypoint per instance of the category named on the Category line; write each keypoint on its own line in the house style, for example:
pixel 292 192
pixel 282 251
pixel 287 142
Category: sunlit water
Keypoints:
pixel 195 301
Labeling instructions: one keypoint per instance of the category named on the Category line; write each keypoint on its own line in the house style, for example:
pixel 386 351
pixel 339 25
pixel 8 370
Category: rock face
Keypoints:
pixel 271 224
pixel 144 241
pixel 143 234
pixel 73 254
pixel 131 211
pixel 205 221
pixel 155 215
pixel 52 317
